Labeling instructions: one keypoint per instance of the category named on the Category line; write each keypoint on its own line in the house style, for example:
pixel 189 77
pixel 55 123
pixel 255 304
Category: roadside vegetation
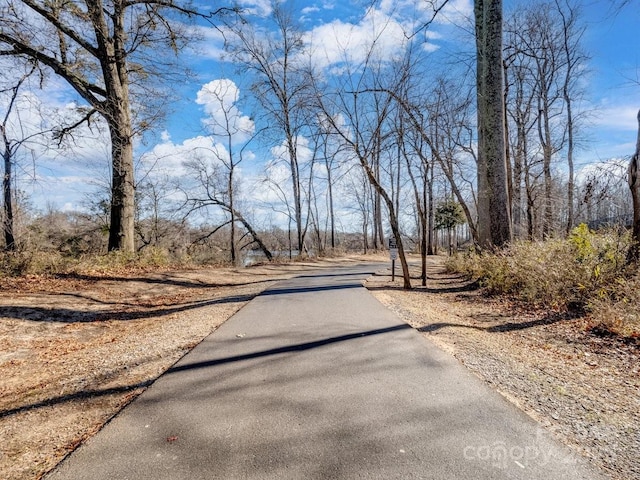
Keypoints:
pixel 65 243
pixel 585 273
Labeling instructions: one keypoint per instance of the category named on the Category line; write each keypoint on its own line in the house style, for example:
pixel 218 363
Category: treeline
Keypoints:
pixel 383 141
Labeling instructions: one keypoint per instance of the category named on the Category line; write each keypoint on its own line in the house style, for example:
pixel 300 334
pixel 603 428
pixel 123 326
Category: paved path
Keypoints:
pixel 315 379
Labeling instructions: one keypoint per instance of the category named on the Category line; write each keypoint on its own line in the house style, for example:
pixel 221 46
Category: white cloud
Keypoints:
pixel 64 192
pixel 304 152
pixel 261 8
pixel 621 117
pixel 165 136
pixel 612 129
pixel 338 42
pixel 308 10
pixel 223 119
pixel 212 44
pixel 168 158
pixel 430 47
pixel 384 31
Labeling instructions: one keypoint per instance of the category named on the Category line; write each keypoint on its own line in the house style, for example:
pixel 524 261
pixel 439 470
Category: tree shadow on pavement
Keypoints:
pixel 101 392
pixel 300 347
pixel 68 315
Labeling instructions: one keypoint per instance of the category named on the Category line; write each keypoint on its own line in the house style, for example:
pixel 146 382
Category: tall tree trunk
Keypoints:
pixel 507 158
pixel 431 213
pixel 566 92
pixel 117 112
pixel 424 233
pixel 379 240
pixel 421 207
pixel 332 217
pixel 232 225
pixel 7 180
pixel 544 129
pixel 393 220
pixel 295 183
pixel 530 207
pixel 571 180
pixel 494 217
pixel 9 239
pixel 518 163
pixel 633 256
pixel 121 229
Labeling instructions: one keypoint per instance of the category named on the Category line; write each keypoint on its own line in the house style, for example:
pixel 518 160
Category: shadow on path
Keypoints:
pixel 300 347
pixel 502 328
pixel 68 315
pixel 319 288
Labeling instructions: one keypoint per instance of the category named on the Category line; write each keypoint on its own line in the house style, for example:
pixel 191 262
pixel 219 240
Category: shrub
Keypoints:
pixel 615 309
pixel 24 262
pixel 556 273
pixel 35 262
pixel 117 261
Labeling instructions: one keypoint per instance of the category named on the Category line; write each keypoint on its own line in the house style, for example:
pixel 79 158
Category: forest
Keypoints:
pixel 470 151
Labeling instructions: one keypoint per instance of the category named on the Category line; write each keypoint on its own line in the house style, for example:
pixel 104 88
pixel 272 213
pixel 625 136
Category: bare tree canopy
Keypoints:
pixel 103 50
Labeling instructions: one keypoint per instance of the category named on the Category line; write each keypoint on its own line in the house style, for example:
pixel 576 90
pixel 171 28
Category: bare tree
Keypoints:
pixel 519 101
pixel 451 140
pixel 414 151
pixel 574 59
pixel 211 190
pixel 234 132
pixel 361 114
pixel 100 48
pixel 494 216
pixel 159 220
pixel 12 141
pixel 281 86
pixel 543 63
pixel 329 155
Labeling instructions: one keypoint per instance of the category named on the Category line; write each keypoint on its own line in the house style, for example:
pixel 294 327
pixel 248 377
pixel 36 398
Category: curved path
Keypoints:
pixel 314 379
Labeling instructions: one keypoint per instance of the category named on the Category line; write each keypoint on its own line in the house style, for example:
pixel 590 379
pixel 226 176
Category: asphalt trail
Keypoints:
pixel 315 379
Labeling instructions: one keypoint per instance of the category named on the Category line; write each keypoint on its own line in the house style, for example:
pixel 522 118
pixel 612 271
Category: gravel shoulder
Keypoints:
pixel 583 388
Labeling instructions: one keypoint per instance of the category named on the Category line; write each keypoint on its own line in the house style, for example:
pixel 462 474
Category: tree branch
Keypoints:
pixel 55 21
pixel 59 133
pixel 87 90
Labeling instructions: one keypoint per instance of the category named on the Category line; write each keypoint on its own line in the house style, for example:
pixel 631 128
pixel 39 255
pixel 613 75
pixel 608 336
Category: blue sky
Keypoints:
pixel 611 39
pixel 613 44
pixel 613 90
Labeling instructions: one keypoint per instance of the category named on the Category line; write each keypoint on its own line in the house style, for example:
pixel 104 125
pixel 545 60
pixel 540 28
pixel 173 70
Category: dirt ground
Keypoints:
pixel 583 388
pixel 74 350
